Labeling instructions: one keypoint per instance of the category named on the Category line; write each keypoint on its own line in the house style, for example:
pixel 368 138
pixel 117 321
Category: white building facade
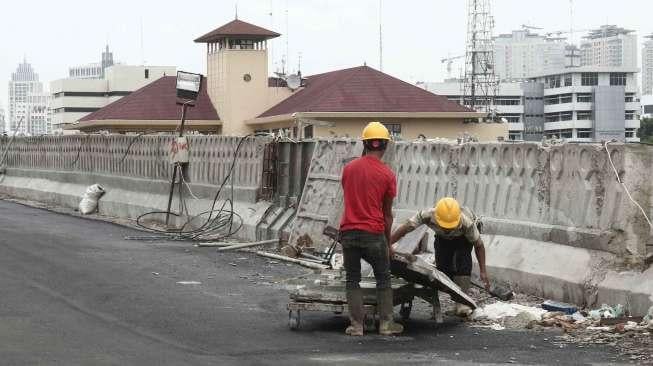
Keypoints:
pixel 647 106
pixel 3 127
pixel 521 54
pixel 609 46
pixel 92 70
pixel 578 104
pixel 647 66
pixel 74 98
pixel 28 103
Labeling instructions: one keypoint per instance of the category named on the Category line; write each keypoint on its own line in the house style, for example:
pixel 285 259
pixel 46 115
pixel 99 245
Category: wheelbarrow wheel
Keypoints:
pixel 405 310
pixel 293 319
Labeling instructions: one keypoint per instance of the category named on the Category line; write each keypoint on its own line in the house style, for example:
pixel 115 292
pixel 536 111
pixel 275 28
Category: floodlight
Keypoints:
pixel 188 85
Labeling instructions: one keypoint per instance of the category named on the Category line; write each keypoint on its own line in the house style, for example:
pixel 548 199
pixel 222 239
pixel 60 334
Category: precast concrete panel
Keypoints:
pixel 609 113
pixel 533 111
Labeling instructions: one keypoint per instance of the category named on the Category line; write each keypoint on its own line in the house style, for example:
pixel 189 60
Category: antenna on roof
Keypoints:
pixel 287 42
pixel 271 44
pixel 142 44
pixel 380 36
pixel 236 6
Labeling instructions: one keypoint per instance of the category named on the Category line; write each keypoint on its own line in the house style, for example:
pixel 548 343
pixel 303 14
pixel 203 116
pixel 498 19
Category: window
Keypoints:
pixel 511 118
pixel 147 73
pixel 629 133
pixel 566 116
pixel 584 115
pixel 617 78
pixel 630 114
pixel 584 133
pixel 551 99
pixel 630 97
pixel 514 135
pixel 507 101
pixel 558 116
pixel 584 98
pixel 566 133
pixel 648 109
pixel 589 79
pixel 565 98
pixel 394 129
pixel 552 81
pixel 568 80
pixel 308 132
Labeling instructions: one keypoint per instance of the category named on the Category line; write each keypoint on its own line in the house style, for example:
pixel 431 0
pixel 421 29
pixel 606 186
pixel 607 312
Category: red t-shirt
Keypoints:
pixel 365 182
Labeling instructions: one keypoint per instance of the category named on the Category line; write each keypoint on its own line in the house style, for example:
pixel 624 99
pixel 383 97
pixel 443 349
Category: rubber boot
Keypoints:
pixel 384 304
pixel 464 282
pixel 356 312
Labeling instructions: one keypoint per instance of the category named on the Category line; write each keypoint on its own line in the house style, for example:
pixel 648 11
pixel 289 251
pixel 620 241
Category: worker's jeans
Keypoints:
pixel 373 248
pixel 454 256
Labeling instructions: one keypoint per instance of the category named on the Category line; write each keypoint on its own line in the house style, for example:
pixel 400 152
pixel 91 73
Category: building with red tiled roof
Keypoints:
pixel 152 107
pixel 336 103
pixel 340 103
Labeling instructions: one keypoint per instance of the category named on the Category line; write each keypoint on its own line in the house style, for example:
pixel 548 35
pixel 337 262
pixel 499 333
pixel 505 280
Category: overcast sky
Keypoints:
pixel 329 34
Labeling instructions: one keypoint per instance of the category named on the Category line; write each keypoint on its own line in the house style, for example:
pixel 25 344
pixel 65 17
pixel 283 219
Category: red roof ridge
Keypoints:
pixel 91 116
pixel 237 27
pixel 351 71
pixel 364 89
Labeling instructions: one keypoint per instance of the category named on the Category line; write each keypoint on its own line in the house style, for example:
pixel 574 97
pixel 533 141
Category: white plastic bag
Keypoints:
pixel 89 201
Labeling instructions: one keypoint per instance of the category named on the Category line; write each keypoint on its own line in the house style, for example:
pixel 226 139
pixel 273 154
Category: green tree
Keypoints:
pixel 645 132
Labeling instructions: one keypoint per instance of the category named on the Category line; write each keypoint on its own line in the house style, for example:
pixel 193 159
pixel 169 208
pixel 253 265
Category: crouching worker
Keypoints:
pixel 369 187
pixel 456 233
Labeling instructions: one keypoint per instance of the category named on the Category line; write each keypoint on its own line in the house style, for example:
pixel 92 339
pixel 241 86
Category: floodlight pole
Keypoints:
pixel 177 166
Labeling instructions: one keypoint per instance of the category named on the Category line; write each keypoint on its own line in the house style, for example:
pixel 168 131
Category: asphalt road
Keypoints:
pixel 74 292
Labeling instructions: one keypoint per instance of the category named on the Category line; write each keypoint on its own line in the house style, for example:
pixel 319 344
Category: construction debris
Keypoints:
pixel 301 262
pixel 247 245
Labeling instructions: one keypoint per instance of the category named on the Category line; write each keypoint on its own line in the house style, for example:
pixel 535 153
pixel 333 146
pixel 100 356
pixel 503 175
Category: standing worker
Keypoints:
pixel 369 187
pixel 456 233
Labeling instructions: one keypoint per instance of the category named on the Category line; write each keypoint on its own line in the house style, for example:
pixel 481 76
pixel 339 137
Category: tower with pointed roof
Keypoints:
pixel 237 73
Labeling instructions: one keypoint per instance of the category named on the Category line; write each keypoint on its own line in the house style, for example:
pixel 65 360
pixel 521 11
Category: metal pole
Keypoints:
pixel 176 166
pixel 11 140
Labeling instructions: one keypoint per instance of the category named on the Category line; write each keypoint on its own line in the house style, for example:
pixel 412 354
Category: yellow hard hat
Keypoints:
pixel 447 213
pixel 375 131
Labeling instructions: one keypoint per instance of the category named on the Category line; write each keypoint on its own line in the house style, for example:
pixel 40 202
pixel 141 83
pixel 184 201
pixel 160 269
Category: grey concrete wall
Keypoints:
pixel 210 156
pixel 57 169
pixel 558 224
pixel 533 106
pixel 609 112
pixel 565 194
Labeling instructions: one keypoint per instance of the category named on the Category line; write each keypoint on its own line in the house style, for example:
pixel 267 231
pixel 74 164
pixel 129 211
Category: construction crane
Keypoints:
pixel 449 61
pixel 526 27
pixel 558 33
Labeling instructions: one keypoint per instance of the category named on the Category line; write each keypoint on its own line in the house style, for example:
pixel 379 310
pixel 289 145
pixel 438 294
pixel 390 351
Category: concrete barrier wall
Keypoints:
pixel 136 173
pixel 566 194
pixel 557 222
pixel 138 156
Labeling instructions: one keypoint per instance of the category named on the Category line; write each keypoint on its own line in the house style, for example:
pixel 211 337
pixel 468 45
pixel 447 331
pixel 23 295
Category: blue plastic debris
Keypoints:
pixel 559 306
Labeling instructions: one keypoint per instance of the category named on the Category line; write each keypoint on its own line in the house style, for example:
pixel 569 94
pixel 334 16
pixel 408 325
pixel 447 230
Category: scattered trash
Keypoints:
pixel 90 199
pixel 189 283
pixel 607 311
pixel 496 326
pixel 501 309
pixel 559 306
pixel 578 317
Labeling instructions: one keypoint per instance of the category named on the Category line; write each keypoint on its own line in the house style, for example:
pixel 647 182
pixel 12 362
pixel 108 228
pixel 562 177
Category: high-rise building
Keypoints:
pixel 521 54
pixel 609 46
pixel 74 98
pixel 93 70
pixel 578 104
pixel 3 128
pixel 28 104
pixel 647 66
